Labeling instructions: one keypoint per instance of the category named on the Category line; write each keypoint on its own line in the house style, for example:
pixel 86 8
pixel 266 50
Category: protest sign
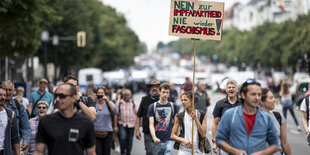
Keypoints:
pixel 196 19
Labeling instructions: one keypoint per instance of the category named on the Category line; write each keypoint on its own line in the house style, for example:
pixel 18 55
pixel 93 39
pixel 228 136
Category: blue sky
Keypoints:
pixel 150 18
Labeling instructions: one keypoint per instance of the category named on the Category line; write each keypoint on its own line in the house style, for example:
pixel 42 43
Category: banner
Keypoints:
pixel 196 19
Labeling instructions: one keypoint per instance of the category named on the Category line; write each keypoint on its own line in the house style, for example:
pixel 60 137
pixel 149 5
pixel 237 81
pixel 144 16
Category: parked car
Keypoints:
pixel 302 86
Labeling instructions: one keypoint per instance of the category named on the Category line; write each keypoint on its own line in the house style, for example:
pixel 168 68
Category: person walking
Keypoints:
pixel 65 132
pixel 146 101
pixel 231 100
pixel 125 121
pixel 187 86
pixel 161 115
pixel 20 113
pixel 247 129
pixel 40 95
pixel 42 107
pixel 103 122
pixel 9 139
pixel 268 103
pixel 183 121
pixel 173 93
pixel 287 103
pixel 84 104
pixel 20 96
pixel 305 106
pixel 203 98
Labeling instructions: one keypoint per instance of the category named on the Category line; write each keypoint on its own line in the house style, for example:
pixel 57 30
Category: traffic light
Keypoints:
pixel 81 39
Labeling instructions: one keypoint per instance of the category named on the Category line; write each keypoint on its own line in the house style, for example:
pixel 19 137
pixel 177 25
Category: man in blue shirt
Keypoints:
pixel 39 95
pixel 246 129
pixel 20 113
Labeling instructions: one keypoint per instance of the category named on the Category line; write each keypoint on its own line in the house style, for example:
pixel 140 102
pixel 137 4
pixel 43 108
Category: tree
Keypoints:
pixel 21 25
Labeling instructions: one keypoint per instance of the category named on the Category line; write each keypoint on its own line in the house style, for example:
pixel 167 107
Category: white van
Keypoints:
pixel 89 76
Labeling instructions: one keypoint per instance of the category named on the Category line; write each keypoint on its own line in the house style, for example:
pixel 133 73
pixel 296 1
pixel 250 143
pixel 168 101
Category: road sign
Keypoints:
pixel 81 39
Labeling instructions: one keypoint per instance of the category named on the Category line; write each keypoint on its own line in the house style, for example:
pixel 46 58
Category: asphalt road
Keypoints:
pixel 297 139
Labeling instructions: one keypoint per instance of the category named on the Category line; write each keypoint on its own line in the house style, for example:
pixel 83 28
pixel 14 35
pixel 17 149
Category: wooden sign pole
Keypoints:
pixel 193 95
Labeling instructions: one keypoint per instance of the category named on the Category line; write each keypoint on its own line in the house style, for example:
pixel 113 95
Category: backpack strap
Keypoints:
pixel 307 107
pixel 172 107
pixel 278 117
pixel 133 106
pixel 10 115
pixel 202 115
pixel 119 107
pixel 156 114
pixel 17 104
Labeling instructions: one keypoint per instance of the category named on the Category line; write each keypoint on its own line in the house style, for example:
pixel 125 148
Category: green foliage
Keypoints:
pixel 119 44
pixel 110 43
pixel 21 25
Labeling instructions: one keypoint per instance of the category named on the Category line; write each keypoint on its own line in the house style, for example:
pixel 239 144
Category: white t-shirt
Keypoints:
pixel 278 127
pixel 287 97
pixel 304 109
pixel 188 133
pixel 3 124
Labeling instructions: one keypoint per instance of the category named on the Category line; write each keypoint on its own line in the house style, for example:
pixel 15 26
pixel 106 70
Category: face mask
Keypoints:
pixel 99 96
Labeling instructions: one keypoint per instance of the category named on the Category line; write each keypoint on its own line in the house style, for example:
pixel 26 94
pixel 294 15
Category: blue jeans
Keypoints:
pixel 148 143
pixel 163 148
pixel 126 137
pixel 289 105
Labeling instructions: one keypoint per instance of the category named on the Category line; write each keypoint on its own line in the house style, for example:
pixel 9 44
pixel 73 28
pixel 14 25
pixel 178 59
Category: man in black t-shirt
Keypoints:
pixel 65 132
pixel 231 100
pixel 142 112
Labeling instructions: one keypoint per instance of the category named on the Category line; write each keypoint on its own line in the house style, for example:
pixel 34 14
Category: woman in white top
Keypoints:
pixel 183 142
pixel 287 103
pixel 268 104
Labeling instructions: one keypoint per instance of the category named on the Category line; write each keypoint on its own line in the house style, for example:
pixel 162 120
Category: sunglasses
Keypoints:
pixel 41 107
pixel 61 96
pixel 252 81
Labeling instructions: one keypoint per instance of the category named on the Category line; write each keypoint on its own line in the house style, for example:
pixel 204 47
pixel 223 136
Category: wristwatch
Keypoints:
pixel 213 140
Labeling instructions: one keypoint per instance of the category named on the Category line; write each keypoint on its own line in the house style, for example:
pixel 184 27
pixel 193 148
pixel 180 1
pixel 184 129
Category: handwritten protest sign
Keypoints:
pixel 196 19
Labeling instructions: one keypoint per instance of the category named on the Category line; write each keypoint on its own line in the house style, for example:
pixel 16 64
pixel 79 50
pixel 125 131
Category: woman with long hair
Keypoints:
pixel 103 123
pixel 183 121
pixel 287 103
pixel 268 104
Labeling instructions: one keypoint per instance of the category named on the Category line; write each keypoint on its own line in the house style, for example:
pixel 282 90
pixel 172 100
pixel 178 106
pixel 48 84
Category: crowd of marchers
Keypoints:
pixel 65 122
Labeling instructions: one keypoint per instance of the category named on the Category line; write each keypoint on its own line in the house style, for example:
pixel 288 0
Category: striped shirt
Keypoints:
pixel 127 112
pixel 34 122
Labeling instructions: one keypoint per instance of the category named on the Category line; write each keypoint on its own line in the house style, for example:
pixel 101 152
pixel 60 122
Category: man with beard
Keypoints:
pixel 142 112
pixel 20 113
pixel 231 100
pixel 8 128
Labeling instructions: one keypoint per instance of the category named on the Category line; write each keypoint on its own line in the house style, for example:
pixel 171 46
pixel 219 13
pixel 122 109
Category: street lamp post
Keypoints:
pixel 45 38
pixel 55 43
